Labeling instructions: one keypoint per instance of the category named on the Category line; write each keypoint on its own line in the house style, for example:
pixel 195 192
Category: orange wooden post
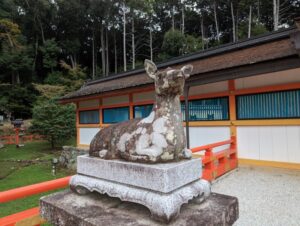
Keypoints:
pixel 131 113
pixel 222 163
pixel 233 159
pixel 209 165
pixel 17 130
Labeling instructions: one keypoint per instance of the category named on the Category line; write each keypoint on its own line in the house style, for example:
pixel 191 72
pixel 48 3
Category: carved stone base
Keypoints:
pixel 66 208
pixel 163 206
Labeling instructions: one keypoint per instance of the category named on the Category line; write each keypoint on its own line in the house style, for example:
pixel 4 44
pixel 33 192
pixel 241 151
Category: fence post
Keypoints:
pixel 209 165
pixel 233 159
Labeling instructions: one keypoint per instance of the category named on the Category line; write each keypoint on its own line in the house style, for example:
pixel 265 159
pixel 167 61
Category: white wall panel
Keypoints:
pixel 271 143
pixel 87 134
pixel 206 135
pixel 293 143
pixel 265 142
pixel 279 144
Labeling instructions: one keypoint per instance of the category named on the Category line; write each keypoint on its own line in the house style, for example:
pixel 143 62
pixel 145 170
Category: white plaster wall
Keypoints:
pixel 89 103
pixel 115 100
pixel 206 135
pixel 87 134
pixel 143 96
pixel 271 143
pixel 276 78
pixel 209 88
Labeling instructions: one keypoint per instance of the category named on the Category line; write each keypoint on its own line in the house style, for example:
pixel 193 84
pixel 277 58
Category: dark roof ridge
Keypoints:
pixel 260 39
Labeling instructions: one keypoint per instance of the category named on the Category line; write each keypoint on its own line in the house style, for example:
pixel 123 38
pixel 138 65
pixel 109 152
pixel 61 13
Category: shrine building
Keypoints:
pixel 249 89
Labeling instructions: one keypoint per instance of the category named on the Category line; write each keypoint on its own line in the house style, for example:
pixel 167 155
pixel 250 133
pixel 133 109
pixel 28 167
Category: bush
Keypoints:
pixel 56 122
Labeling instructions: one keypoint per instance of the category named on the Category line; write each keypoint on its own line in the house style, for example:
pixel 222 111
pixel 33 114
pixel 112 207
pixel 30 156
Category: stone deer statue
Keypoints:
pixel 157 138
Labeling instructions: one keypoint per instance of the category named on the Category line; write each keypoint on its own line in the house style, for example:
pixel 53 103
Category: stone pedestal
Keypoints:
pixel 67 208
pixel 162 188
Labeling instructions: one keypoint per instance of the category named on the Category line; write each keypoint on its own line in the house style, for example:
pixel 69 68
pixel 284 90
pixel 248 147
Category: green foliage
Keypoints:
pixel 55 78
pixel 256 29
pixel 55 121
pixel 192 44
pixel 48 92
pixel 17 100
pixel 71 78
pixel 173 44
pixel 14 56
pixel 50 51
pixel 9 33
pixel 74 77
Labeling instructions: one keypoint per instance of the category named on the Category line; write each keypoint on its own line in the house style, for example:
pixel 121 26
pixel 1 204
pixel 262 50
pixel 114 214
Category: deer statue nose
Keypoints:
pixel 180 75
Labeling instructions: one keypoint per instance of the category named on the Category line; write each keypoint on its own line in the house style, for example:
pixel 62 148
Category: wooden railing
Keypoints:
pixel 215 164
pixel 11 139
pixel 30 216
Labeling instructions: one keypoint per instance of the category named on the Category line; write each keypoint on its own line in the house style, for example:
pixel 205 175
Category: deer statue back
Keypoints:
pixel 157 138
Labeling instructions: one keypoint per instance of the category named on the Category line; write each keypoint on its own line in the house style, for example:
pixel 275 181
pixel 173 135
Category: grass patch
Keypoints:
pixel 15 174
pixel 30 151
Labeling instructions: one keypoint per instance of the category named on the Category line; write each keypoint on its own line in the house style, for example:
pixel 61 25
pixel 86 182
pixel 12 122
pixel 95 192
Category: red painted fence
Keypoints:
pixel 30 216
pixel 218 163
pixel 11 139
pixel 214 164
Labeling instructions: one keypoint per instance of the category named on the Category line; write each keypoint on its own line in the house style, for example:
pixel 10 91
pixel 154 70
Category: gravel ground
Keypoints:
pixel 267 196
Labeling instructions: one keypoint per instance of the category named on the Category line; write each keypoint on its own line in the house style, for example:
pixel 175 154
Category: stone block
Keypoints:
pixel 67 208
pixel 163 206
pixel 162 177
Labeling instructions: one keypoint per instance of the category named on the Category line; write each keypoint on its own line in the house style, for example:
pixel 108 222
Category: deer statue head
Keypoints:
pixel 169 81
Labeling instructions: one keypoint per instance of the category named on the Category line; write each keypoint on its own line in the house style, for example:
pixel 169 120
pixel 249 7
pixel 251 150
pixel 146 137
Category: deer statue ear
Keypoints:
pixel 187 70
pixel 150 68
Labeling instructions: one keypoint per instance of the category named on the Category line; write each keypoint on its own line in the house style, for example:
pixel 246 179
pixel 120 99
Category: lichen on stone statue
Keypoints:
pixel 157 138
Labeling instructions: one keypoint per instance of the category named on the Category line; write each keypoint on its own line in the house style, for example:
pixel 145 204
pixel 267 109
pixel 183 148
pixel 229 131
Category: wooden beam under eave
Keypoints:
pixel 246 71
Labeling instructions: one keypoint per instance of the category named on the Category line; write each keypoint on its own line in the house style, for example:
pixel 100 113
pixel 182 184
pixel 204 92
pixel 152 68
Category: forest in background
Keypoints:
pixel 50 47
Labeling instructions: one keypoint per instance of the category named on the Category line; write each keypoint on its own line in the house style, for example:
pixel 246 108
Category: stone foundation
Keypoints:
pixel 67 208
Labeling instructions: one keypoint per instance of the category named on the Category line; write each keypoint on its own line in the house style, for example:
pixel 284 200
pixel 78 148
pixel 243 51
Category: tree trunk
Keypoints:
pixel 116 54
pixel 237 24
pixel 73 61
pixel 249 22
pixel 42 30
pixel 93 55
pixel 52 143
pixel 36 46
pixel 102 50
pixel 216 20
pixel 173 18
pixel 202 33
pixel 150 44
pixel 258 11
pixel 124 37
pixel 276 14
pixel 107 53
pixel 233 22
pixel 183 26
pixel 133 44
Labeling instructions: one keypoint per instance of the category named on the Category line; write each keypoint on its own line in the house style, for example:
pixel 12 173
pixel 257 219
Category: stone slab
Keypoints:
pixel 163 206
pixel 163 177
pixel 67 208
